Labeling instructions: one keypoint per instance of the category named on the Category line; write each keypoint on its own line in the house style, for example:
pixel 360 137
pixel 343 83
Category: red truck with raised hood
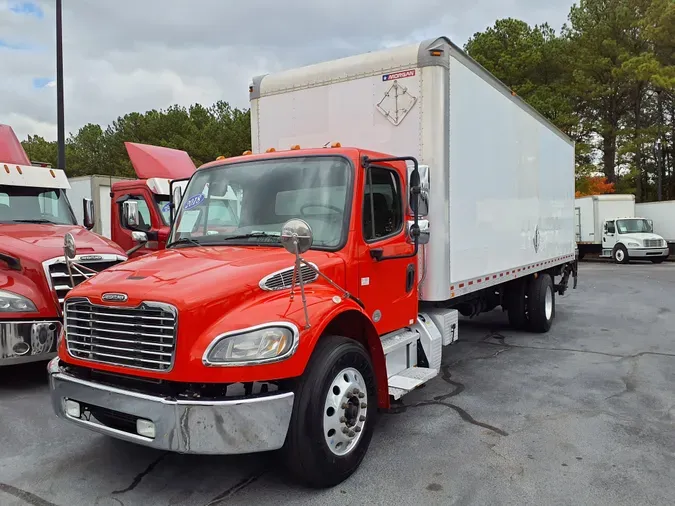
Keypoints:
pixel 302 290
pixel 35 216
pixel 156 167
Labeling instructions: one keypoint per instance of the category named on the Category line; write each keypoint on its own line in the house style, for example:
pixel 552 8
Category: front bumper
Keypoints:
pixel 215 427
pixel 23 341
pixel 648 252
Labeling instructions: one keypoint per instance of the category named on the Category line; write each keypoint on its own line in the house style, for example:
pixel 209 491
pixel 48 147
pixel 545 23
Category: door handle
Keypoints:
pixel 410 278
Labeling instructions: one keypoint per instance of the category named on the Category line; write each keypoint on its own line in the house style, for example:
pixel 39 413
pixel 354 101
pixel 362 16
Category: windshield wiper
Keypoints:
pixel 36 221
pixel 250 235
pixel 184 240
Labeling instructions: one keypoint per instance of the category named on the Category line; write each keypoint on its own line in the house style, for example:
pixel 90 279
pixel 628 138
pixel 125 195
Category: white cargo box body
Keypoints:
pixel 663 216
pixel 592 212
pixel 98 189
pixel 501 176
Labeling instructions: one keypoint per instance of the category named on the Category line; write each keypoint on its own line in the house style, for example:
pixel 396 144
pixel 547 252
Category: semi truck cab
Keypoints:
pixel 624 239
pixel 155 167
pixel 35 216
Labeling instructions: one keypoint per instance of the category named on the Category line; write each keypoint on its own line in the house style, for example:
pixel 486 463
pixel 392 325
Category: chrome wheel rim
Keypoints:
pixel 619 255
pixel 345 411
pixel 548 303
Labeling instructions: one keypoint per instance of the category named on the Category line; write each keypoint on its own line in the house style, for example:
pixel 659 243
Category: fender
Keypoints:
pixel 344 317
pixel 348 319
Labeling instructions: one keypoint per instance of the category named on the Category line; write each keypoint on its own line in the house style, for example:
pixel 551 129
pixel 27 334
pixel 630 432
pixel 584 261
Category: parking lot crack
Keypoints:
pixel 139 477
pixel 24 495
pixel 440 400
pixel 237 487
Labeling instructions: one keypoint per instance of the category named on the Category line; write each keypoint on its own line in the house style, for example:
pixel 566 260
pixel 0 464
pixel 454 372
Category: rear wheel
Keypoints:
pixel 541 303
pixel 517 304
pixel 333 414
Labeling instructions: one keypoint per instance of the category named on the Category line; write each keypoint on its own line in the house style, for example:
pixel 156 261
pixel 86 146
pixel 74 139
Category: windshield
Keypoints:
pixel 633 226
pixel 163 202
pixel 247 203
pixel 20 204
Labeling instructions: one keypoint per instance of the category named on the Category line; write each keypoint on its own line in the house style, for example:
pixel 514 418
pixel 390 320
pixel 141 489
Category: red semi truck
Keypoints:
pixel 329 287
pixel 155 168
pixel 35 216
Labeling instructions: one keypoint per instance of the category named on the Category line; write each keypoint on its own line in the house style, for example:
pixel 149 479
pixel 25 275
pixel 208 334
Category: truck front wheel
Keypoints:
pixel 333 414
pixel 620 254
pixel 541 303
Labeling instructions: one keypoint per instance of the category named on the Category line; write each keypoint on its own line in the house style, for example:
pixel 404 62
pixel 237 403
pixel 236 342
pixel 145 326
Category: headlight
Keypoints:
pixel 257 344
pixel 633 244
pixel 14 303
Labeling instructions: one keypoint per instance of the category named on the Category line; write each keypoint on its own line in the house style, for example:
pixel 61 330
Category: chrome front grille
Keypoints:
pixel 281 280
pixel 60 280
pixel 653 243
pixel 142 337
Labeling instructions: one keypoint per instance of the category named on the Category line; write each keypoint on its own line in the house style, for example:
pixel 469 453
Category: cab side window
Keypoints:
pixel 144 215
pixel 382 204
pixel 611 229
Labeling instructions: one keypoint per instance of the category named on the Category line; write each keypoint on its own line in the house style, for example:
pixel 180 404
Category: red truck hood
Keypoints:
pixel 200 277
pixel 41 242
pixel 156 161
pixel 11 150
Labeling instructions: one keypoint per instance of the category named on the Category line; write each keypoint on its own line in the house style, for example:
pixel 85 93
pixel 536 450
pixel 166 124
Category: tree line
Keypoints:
pixel 607 79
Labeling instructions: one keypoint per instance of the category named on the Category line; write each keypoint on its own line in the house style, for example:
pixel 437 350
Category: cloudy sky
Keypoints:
pixel 134 55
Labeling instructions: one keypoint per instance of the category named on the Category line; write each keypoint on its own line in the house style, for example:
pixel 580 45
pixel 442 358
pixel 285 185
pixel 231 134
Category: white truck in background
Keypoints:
pixel 608 225
pixel 662 214
pixel 98 189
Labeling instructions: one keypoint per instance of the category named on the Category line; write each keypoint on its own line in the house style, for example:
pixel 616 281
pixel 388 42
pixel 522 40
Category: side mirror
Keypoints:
pixel 89 213
pixel 139 237
pixel 131 216
pixel 421 180
pixel 296 236
pixel 69 246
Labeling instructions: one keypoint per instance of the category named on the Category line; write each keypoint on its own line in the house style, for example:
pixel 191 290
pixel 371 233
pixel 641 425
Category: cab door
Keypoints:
pixel 609 236
pixel 388 288
pixel 149 223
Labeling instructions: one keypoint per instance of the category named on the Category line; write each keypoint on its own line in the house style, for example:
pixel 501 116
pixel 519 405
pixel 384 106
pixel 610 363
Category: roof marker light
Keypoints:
pixel 221 157
pixel 247 152
pixel 295 147
pixel 336 145
pixel 19 170
pixel 270 150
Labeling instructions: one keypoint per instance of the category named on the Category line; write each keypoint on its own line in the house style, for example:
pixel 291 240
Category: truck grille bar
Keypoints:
pixel 653 243
pixel 57 272
pixel 142 337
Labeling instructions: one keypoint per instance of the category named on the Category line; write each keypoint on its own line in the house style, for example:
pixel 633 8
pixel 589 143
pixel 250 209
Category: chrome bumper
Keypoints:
pixel 648 252
pixel 23 341
pixel 217 427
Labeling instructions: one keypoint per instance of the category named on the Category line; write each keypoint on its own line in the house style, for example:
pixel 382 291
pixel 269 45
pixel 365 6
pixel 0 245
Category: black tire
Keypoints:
pixel 517 304
pixel 658 260
pixel 620 254
pixel 541 317
pixel 308 457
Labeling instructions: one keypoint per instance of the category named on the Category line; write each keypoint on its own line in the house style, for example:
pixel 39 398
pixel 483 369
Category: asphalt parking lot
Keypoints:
pixel 582 415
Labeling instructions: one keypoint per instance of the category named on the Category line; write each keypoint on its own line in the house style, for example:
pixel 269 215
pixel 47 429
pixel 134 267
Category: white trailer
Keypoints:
pixel 501 176
pixel 98 189
pixel 608 225
pixel 662 214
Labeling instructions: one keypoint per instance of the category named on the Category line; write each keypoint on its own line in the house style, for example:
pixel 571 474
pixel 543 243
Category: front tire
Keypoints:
pixel 541 303
pixel 620 254
pixel 334 414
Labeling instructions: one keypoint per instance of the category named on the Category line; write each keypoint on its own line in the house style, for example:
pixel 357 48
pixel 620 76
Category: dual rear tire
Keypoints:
pixel 531 303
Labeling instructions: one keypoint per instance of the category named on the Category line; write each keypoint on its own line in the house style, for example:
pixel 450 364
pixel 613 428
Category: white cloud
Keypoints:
pixel 135 55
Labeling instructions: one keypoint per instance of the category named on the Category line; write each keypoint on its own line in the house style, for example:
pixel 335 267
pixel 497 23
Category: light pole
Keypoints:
pixel 60 121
